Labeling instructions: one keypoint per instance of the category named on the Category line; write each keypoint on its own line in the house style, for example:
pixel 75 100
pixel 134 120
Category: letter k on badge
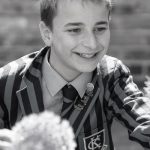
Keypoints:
pixel 95 141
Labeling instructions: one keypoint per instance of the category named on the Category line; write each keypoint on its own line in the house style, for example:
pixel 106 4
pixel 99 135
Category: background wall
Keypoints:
pixel 130 41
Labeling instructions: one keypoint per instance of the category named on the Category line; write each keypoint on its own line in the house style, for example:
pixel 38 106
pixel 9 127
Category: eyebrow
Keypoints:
pixel 81 24
pixel 74 24
pixel 102 23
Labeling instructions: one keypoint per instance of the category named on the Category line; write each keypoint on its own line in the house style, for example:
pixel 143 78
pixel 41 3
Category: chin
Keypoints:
pixel 87 68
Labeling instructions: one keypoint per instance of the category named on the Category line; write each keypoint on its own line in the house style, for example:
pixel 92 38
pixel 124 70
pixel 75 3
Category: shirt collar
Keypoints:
pixel 80 83
pixel 55 82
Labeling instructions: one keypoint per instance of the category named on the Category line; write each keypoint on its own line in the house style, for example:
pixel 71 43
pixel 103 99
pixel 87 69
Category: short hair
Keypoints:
pixel 48 9
pixel 44 131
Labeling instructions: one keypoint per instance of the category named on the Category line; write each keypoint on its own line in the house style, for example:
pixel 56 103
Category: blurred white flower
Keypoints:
pixel 147 87
pixel 44 131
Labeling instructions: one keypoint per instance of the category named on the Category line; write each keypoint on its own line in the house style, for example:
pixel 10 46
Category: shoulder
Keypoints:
pixel 11 74
pixel 16 67
pixel 111 65
pixel 20 66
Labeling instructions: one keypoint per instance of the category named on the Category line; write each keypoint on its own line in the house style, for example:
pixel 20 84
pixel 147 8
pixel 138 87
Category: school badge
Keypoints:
pixel 95 141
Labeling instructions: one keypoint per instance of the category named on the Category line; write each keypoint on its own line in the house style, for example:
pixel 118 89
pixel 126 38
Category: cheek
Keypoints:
pixel 69 42
pixel 105 39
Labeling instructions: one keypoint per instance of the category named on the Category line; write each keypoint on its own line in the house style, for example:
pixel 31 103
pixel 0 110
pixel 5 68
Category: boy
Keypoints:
pixel 76 34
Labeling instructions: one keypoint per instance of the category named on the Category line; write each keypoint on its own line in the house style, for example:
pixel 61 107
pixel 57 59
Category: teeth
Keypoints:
pixel 87 55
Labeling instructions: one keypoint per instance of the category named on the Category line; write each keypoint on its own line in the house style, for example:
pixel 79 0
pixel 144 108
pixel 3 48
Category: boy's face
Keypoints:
pixel 80 37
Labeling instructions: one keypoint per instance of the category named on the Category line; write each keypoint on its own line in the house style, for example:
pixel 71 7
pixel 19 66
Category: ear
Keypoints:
pixel 45 33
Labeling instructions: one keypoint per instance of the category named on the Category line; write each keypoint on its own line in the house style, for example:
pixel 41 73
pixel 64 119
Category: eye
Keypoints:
pixel 100 29
pixel 74 30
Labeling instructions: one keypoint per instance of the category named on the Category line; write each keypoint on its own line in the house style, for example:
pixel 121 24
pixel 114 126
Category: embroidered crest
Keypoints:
pixel 95 141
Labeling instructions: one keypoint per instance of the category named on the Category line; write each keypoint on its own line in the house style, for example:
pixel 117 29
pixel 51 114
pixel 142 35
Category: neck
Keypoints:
pixel 65 72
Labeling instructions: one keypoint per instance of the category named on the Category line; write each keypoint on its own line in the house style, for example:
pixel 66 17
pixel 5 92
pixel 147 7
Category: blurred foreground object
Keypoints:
pixel 45 131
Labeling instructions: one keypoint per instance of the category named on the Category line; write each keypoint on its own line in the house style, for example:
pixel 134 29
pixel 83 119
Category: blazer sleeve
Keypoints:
pixel 129 105
pixel 4 123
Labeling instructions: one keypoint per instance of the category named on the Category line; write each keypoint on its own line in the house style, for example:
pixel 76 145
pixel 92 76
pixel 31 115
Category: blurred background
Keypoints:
pixel 130 41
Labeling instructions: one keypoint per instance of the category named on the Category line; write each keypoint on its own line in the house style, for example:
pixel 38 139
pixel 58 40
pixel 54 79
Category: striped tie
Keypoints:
pixel 69 94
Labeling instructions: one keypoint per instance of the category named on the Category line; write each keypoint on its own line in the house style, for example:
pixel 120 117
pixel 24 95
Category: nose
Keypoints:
pixel 90 41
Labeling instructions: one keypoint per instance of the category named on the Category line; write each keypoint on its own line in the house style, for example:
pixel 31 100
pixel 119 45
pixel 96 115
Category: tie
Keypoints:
pixel 69 94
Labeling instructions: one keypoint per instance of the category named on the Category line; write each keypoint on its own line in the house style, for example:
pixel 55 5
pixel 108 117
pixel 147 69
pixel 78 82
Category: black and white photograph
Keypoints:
pixel 74 74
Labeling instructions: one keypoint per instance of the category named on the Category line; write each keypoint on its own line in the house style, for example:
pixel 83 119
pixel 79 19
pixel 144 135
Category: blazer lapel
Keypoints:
pixel 78 117
pixel 30 97
pixel 30 93
pixel 79 121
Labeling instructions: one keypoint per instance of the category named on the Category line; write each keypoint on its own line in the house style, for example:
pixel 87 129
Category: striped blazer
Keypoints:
pixel 115 96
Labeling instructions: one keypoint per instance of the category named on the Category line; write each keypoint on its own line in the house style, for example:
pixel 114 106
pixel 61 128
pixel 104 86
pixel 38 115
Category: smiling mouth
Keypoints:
pixel 85 55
